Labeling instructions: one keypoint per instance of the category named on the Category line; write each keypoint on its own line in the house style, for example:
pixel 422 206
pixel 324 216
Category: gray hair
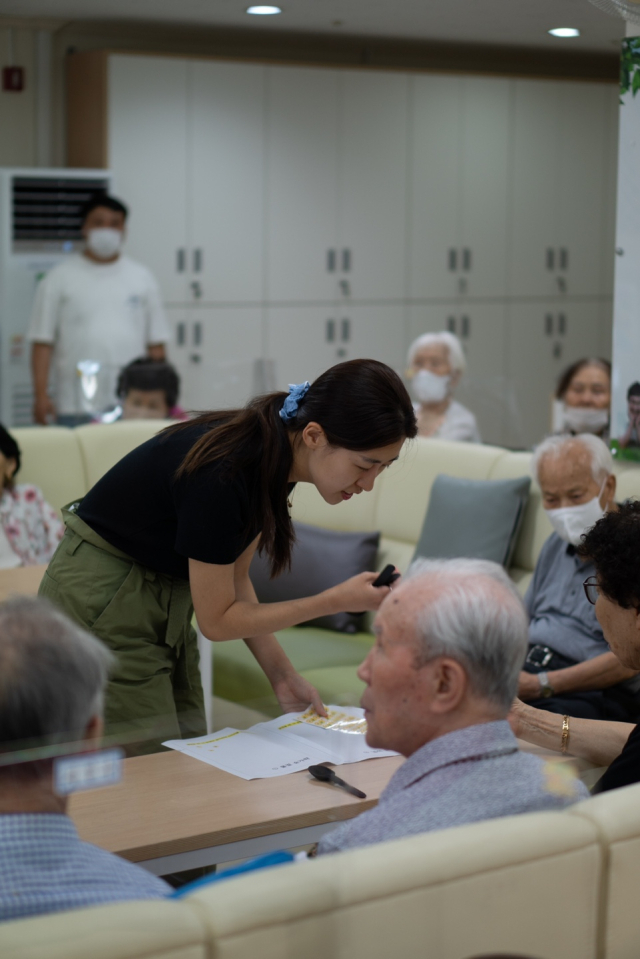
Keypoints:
pixel 444 338
pixel 52 675
pixel 555 446
pixel 478 619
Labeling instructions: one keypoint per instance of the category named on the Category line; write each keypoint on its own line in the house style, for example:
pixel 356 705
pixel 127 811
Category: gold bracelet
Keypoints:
pixel 564 743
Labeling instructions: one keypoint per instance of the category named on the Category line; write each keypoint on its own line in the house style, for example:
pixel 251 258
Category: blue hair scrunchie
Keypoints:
pixel 292 402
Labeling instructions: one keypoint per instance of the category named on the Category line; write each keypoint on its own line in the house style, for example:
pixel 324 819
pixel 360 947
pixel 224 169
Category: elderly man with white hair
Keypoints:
pixel 436 362
pixel 440 680
pixel 52 678
pixel 569 668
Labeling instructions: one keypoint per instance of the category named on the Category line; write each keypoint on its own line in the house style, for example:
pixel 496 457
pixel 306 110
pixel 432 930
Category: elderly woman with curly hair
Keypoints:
pixel 612 547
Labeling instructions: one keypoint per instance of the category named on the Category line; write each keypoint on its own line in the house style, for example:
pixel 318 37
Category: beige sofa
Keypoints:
pixel 552 885
pixel 66 463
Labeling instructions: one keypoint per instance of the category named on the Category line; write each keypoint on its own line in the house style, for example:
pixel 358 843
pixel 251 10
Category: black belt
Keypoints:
pixel 544 658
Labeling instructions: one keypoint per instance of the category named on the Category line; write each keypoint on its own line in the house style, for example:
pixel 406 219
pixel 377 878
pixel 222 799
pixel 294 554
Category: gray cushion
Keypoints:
pixel 479 519
pixel 321 558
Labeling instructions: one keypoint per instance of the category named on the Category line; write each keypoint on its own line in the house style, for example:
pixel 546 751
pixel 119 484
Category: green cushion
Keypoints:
pixel 238 678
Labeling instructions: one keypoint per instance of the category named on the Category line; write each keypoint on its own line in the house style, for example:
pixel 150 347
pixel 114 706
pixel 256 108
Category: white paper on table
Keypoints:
pixel 278 747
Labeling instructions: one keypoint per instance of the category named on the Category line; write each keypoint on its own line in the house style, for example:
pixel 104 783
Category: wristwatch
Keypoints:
pixel 546 689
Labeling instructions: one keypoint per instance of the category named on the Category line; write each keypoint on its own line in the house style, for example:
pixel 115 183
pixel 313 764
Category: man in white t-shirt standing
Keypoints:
pixel 98 305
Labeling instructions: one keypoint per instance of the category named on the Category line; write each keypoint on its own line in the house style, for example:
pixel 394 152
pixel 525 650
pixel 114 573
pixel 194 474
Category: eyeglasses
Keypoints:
pixel 591 589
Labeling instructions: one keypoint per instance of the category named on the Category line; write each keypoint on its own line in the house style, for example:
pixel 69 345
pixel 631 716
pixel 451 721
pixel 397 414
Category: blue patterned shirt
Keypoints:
pixel 45 867
pixel 463 777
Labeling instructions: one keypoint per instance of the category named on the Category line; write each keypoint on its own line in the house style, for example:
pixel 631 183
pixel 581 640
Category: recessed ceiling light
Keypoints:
pixel 564 32
pixel 264 10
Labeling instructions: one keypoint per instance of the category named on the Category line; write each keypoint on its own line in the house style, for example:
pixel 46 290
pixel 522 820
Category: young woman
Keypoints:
pixel 174 526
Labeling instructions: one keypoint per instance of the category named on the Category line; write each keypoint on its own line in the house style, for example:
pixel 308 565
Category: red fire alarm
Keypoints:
pixel 13 79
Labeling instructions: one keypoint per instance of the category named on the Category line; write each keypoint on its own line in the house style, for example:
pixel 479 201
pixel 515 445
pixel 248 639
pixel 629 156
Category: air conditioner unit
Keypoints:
pixel 40 222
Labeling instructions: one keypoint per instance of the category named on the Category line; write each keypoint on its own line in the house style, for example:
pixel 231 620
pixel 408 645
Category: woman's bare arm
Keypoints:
pixel 599 741
pixel 224 610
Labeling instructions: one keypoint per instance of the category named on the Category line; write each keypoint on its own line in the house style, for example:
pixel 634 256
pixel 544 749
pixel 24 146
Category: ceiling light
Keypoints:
pixel 264 10
pixel 564 32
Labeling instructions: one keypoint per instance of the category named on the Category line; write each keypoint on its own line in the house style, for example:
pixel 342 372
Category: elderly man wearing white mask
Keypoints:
pixel 569 668
pixel 436 362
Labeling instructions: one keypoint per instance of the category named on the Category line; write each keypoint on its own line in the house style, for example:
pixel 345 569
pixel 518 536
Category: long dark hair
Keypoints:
pixel 360 405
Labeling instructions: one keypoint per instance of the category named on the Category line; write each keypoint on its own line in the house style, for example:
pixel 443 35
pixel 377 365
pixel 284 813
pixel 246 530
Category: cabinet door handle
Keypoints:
pixel 562 324
pixel 465 327
pixel 344 286
pixel 197 261
pixel 181 334
pixel 330 331
pixel 181 260
pixel 451 324
pixel 197 333
pixel 548 324
pixel 564 258
pixel 345 334
pixel 331 261
pixel 196 289
pixel 466 259
pixel 453 260
pixel 195 358
pixel 551 258
pixel 346 260
pixel 557 351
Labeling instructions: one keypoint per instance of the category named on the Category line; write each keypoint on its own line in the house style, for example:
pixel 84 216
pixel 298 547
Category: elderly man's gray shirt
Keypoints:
pixel 466 776
pixel 560 615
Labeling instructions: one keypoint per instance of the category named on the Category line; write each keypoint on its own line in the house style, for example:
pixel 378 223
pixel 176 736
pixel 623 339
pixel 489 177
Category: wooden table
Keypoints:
pixel 173 812
pixel 23 581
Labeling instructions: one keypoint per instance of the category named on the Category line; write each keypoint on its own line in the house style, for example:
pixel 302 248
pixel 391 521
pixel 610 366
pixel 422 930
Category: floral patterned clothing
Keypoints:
pixel 32 527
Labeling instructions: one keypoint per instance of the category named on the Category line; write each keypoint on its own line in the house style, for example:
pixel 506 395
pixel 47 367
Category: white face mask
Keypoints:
pixel 571 522
pixel 104 242
pixel 428 387
pixel 585 419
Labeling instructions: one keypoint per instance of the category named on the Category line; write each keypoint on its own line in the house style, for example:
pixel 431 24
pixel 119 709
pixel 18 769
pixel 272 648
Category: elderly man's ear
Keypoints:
pixel 93 732
pixel 448 685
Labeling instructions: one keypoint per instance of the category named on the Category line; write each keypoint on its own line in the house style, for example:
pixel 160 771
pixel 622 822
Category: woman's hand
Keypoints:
pixel 295 694
pixel 358 594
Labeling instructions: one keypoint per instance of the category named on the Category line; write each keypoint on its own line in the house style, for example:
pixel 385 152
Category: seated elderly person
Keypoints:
pixel 449 642
pixel 569 667
pixel 614 591
pixel 52 676
pixel 583 398
pixel 436 362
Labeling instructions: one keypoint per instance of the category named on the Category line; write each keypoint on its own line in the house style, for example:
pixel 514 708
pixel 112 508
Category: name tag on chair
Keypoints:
pixel 87 771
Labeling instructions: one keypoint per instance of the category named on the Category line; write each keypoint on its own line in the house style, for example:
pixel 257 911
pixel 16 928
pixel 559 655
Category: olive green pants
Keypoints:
pixel 144 617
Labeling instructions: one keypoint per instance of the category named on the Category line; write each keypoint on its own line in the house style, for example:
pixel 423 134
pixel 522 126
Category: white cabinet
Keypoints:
pixel 218 354
pixel 304 341
pixel 372 184
pixel 225 183
pixel 336 175
pixel 482 330
pixel 148 148
pixel 302 180
pixel 560 166
pixel 186 149
pixel 459 159
pixel 374 331
pixel 543 339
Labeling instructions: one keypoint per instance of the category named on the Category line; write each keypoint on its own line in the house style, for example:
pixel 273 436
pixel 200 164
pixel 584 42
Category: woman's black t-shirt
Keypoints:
pixel 625 769
pixel 140 507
